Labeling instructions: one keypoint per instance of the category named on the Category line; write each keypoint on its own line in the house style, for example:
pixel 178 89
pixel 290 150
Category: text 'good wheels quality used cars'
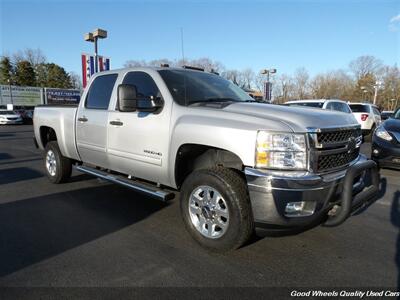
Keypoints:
pixel 238 164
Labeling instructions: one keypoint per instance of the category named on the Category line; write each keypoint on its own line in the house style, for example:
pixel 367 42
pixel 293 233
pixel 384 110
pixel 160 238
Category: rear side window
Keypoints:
pixel 359 108
pixel 100 91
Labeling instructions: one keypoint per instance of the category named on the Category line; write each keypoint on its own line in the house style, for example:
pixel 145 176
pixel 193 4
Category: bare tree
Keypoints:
pixel 301 81
pixel 75 80
pixel 284 88
pixel 34 56
pixel 135 63
pixel 246 78
pixel 390 93
pixel 364 65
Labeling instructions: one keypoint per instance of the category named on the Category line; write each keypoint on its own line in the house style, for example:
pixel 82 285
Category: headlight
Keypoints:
pixel 284 151
pixel 383 134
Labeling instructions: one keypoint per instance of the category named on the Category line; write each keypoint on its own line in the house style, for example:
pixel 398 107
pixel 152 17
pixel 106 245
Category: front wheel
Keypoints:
pixel 58 168
pixel 216 209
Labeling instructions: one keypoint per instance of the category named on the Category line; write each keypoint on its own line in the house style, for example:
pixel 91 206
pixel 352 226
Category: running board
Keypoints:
pixel 134 185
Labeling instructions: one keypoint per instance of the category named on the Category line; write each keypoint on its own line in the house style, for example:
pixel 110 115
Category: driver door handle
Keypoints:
pixel 82 119
pixel 116 123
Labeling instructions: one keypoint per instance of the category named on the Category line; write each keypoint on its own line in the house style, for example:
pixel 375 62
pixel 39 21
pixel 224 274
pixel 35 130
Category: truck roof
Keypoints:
pixel 146 68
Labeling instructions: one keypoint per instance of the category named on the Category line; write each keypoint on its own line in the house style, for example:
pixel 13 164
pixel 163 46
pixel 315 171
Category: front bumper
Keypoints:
pixel 385 153
pixel 271 191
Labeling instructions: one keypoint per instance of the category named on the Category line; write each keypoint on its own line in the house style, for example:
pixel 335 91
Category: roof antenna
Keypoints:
pixel 183 53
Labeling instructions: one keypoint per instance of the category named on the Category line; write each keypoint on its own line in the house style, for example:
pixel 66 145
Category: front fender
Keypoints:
pixel 229 135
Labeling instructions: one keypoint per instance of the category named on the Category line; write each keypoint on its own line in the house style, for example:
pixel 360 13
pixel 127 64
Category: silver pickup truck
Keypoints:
pixel 238 164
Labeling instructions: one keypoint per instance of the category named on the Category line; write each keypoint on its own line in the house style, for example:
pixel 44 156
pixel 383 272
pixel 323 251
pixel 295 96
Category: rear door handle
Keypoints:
pixel 116 123
pixel 82 119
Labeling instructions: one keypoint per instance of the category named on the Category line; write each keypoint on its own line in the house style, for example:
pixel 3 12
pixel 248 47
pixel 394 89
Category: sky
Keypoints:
pixel 318 35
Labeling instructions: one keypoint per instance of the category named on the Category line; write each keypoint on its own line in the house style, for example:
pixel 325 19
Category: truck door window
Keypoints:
pixel 145 85
pixel 100 92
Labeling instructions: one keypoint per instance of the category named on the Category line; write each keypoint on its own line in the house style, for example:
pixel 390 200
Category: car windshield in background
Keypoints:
pixel 307 104
pixel 359 108
pixel 397 114
pixel 189 87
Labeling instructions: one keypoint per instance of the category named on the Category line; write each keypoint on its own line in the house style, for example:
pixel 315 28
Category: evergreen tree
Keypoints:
pixel 6 70
pixel 57 77
pixel 25 74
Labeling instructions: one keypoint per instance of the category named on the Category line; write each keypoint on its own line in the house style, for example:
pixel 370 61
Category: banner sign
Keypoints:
pixel 21 95
pixel 88 66
pixel 62 96
pixel 267 91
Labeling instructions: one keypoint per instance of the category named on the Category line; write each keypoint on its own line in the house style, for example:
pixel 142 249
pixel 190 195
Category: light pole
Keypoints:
pixel 365 91
pixel 377 86
pixel 93 37
pixel 268 85
pixel 11 97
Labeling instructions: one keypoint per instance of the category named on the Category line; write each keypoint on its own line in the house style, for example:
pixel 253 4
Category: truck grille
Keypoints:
pixel 334 148
pixel 332 161
pixel 338 136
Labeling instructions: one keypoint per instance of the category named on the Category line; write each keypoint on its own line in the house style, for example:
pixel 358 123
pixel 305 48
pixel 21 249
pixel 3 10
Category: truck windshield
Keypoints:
pixel 188 87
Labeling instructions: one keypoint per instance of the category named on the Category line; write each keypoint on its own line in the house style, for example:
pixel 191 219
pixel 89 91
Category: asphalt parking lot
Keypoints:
pixel 91 233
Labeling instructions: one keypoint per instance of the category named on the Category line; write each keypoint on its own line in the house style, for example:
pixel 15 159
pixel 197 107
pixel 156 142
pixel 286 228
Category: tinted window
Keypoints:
pixel 188 87
pixel 100 91
pixel 376 111
pixel 308 104
pixel 346 108
pixel 397 114
pixel 145 85
pixel 359 108
pixel 385 115
pixel 341 107
pixel 330 106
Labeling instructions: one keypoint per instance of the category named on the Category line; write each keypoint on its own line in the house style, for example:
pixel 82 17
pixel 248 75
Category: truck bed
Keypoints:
pixel 61 119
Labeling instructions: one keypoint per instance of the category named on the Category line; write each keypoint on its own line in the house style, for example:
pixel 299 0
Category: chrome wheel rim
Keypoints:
pixel 51 163
pixel 208 212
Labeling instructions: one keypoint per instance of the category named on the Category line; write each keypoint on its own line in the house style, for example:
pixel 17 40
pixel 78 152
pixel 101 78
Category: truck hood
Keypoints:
pixel 299 119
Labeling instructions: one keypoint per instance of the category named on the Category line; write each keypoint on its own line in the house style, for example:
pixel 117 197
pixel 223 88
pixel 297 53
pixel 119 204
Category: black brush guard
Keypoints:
pixel 348 202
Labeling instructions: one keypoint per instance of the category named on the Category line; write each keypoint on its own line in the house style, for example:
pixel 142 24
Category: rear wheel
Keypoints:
pixel 216 209
pixel 58 168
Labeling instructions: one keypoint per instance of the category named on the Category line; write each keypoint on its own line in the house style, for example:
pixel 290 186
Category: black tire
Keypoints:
pixel 63 165
pixel 233 189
